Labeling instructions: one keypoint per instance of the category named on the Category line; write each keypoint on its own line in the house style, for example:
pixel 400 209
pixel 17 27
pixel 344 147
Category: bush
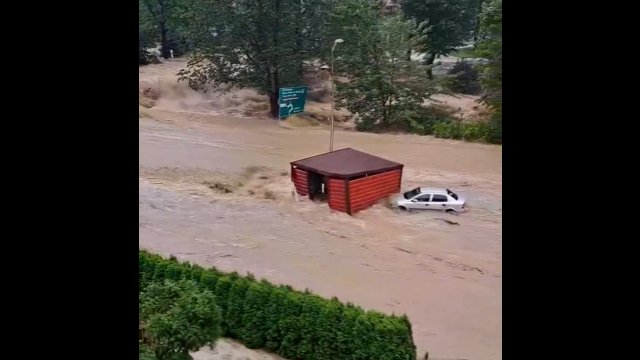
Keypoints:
pixel 144 353
pixel 178 43
pixel 462 131
pixel 448 130
pixel 144 43
pixel 464 79
pixel 293 324
pixel 494 131
pixel 423 119
pixel 177 317
pixel 474 131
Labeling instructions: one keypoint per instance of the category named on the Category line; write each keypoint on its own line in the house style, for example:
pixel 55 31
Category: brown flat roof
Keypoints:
pixel 346 163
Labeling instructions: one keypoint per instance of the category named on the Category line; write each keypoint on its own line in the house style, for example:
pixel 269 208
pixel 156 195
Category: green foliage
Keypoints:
pixel 464 79
pixel 490 47
pixel 274 309
pixel 208 280
pixel 461 130
pixel 177 317
pixel 144 353
pixel 494 133
pixel 423 119
pixel 162 22
pixel 144 43
pixel 448 130
pixel 449 23
pixel 223 285
pixel 247 43
pixel 475 131
pixel 254 326
pixel 235 306
pixel 384 88
pixel 296 325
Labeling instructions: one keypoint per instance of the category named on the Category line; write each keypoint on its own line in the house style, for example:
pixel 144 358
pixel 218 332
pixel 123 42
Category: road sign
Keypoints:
pixel 291 100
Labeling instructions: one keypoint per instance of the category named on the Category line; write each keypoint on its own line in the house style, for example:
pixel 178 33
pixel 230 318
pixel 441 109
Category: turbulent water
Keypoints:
pixel 215 189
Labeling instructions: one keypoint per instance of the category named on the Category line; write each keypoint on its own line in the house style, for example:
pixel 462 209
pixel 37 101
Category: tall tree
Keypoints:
pixel 490 47
pixel 177 317
pixel 449 22
pixel 476 31
pixel 383 87
pixel 253 43
pixel 163 15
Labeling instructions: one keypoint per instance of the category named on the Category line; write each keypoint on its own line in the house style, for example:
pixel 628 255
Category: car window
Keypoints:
pixel 439 198
pixel 424 198
pixel 410 194
pixel 452 194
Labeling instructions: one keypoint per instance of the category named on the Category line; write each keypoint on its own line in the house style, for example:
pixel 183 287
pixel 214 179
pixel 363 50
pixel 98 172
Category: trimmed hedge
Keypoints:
pixel 293 324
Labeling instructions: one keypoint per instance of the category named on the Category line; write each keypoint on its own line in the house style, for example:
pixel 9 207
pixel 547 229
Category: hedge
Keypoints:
pixel 290 323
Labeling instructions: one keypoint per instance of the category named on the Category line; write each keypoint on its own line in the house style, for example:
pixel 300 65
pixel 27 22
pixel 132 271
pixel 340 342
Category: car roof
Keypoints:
pixel 430 190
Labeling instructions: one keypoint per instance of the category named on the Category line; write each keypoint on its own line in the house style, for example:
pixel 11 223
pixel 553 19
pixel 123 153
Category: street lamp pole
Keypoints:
pixel 333 93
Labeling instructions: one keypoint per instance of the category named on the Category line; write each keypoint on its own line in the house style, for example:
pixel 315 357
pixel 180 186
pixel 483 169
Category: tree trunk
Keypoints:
pixel 273 104
pixel 275 77
pixel 274 107
pixel 476 31
pixel 430 60
pixel 164 42
pixel 300 40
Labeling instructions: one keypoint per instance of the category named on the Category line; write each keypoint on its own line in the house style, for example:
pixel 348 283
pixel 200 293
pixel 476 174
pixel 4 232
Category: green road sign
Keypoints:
pixel 291 100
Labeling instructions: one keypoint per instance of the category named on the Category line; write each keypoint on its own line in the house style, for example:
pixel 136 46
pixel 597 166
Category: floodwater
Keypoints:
pixel 215 190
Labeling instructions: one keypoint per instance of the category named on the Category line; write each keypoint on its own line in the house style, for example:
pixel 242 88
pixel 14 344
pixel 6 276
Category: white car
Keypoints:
pixel 424 198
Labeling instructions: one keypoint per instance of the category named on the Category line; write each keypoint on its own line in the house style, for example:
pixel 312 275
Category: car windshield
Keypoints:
pixel 452 194
pixel 411 194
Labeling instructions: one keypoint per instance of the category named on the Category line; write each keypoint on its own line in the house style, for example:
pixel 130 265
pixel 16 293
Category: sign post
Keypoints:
pixel 291 101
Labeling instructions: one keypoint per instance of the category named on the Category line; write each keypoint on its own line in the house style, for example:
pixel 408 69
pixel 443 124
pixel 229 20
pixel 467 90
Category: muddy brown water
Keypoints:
pixel 446 278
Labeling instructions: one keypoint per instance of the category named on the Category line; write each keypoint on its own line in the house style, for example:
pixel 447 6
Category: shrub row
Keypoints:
pixel 293 324
pixel 459 130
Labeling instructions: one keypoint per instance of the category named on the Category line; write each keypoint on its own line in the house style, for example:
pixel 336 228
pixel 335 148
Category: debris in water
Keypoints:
pixel 448 221
pixel 217 186
pixel 403 250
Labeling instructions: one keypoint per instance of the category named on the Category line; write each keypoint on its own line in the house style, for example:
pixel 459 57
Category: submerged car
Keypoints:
pixel 424 198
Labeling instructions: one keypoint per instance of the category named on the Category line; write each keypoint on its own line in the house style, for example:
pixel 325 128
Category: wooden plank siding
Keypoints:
pixel 366 191
pixel 300 180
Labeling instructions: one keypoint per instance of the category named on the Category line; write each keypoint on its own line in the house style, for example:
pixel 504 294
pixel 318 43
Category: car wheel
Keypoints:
pixel 451 211
pixel 402 208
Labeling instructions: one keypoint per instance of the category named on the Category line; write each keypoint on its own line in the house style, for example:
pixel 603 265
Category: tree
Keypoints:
pixel 464 79
pixel 177 317
pixel 143 45
pixel 163 16
pixel 384 88
pixel 253 43
pixel 476 31
pixel 449 23
pixel 146 36
pixel 490 47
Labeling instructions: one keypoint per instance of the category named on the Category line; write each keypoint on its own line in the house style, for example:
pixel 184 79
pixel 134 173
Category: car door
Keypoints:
pixel 439 202
pixel 421 202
